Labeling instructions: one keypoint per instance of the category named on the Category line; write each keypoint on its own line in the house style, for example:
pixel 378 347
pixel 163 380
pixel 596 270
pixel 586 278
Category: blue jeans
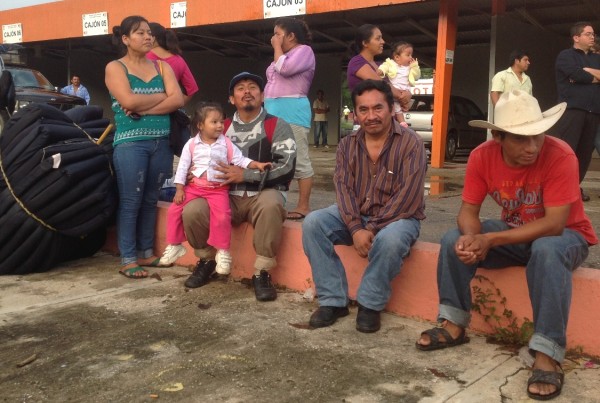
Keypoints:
pixel 549 262
pixel 322 229
pixel 321 130
pixel 141 168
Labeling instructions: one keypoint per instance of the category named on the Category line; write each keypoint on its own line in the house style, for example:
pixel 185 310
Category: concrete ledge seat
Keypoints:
pixel 414 290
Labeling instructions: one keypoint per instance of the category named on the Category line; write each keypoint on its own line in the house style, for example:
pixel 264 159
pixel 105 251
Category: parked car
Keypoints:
pixel 32 86
pixel 460 136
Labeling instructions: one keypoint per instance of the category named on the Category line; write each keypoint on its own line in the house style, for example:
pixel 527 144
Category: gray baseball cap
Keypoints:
pixel 246 76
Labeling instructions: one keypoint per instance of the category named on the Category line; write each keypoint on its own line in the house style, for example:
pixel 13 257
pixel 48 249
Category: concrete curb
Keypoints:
pixel 414 292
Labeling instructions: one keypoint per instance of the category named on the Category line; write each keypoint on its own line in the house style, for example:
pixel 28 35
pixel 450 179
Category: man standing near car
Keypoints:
pixel 513 78
pixel 379 178
pixel 76 89
pixel 577 82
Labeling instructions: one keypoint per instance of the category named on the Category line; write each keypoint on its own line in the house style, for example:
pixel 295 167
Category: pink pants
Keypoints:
pixel 219 235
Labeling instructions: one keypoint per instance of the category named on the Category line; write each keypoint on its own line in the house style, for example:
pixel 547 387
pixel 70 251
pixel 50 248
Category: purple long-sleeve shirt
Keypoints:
pixel 387 190
pixel 292 74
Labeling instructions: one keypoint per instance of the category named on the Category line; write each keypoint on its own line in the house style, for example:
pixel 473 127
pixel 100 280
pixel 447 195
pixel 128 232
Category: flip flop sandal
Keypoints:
pixel 556 378
pixel 437 344
pixel 130 273
pixel 295 216
pixel 154 263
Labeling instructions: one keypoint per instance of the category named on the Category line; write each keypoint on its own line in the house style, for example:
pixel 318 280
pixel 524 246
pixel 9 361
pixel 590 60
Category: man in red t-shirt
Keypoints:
pixel 534 179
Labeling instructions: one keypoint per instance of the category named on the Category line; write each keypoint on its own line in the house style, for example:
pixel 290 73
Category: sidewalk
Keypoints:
pixel 91 335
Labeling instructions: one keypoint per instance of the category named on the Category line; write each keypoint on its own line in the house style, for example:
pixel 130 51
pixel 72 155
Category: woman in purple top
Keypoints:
pixel 166 48
pixel 369 43
pixel 286 96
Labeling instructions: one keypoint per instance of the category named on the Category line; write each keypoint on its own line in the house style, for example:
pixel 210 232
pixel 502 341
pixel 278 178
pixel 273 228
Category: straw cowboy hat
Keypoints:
pixel 517 112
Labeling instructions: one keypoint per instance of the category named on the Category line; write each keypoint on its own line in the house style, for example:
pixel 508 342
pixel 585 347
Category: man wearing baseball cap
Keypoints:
pixel 255 197
pixel 534 179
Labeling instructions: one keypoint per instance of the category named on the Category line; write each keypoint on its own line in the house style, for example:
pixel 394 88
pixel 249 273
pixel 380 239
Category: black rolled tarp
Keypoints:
pixel 57 187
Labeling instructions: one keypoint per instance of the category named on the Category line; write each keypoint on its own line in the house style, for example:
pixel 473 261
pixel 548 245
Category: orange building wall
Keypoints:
pixel 63 19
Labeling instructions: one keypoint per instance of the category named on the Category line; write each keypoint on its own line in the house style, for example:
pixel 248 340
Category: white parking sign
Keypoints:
pixel 12 33
pixel 95 24
pixel 282 8
pixel 178 14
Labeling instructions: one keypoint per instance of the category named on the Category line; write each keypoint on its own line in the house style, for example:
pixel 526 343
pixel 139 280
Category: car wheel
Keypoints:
pixel 451 145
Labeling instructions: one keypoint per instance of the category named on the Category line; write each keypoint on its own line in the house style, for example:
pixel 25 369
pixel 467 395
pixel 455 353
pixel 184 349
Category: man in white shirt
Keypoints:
pixel 320 108
pixel 513 78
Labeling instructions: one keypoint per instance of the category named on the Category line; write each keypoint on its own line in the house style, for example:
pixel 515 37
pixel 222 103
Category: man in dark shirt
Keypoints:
pixel 379 177
pixel 577 78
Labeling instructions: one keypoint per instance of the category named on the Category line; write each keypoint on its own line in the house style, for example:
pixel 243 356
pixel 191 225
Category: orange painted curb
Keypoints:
pixel 414 292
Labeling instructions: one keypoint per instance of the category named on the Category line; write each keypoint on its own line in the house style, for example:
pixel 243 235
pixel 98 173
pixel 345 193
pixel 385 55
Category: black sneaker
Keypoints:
pixel 327 315
pixel 201 275
pixel 367 320
pixel 263 288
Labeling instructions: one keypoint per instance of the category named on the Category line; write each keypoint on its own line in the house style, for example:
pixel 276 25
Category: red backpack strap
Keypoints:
pixel 226 124
pixel 270 124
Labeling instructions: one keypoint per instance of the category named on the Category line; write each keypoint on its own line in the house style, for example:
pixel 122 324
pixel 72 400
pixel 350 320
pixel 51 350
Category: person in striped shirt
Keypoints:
pixel 379 178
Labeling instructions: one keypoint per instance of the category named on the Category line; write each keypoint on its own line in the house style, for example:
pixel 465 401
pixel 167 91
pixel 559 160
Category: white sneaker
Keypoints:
pixel 326 146
pixel 171 254
pixel 223 259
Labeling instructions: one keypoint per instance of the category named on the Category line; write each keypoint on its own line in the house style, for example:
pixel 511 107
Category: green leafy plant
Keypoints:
pixel 489 302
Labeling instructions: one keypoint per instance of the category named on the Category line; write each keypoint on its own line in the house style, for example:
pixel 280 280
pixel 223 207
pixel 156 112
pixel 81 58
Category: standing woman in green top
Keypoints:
pixel 143 94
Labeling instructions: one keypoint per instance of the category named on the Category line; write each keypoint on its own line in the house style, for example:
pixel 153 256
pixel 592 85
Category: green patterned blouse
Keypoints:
pixel 149 127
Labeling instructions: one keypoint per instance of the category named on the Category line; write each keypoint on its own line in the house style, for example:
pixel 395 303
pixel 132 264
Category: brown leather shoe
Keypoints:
pixel 327 315
pixel 368 320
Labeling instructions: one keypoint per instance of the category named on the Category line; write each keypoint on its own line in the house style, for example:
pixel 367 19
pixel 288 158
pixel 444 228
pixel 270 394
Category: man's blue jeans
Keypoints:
pixel 141 168
pixel 321 130
pixel 549 262
pixel 322 229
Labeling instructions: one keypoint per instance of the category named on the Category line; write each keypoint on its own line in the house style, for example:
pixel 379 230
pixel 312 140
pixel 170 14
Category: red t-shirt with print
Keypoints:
pixel 524 192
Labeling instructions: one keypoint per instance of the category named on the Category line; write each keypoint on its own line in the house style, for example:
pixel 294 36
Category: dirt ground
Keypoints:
pixel 216 343
pixel 82 333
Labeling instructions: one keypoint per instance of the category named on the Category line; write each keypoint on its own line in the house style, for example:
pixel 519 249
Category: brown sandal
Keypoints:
pixel 437 344
pixel 556 378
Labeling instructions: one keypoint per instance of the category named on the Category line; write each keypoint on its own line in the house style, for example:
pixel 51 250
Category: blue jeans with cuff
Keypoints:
pixel 549 262
pixel 322 229
pixel 141 168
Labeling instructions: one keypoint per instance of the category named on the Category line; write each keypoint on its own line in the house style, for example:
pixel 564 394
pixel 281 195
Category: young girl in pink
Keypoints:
pixel 201 154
